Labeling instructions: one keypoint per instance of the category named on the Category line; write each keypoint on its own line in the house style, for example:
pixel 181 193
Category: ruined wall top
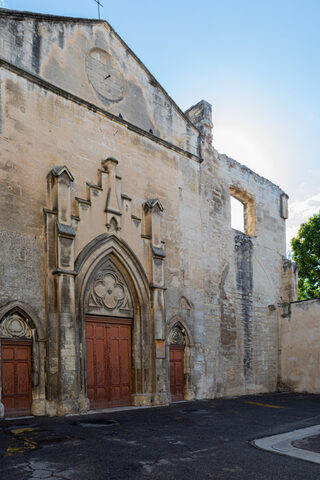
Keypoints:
pixel 201 116
pixel 246 171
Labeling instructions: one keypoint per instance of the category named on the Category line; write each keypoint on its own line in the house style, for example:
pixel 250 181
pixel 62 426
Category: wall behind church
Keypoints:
pixel 299 342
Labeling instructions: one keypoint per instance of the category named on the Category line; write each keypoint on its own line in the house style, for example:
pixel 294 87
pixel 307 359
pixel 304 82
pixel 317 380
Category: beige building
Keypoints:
pixel 122 280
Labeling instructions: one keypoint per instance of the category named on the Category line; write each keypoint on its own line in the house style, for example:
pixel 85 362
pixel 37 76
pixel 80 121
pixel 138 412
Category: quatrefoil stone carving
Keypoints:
pixel 109 291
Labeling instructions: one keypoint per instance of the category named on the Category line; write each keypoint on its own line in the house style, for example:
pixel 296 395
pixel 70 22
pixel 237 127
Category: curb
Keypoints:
pixel 282 444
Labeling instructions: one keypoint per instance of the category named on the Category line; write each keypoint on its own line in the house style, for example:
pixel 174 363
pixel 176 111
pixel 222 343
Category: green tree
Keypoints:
pixel 306 254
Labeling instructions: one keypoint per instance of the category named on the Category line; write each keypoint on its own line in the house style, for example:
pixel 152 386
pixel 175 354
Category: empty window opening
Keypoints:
pixel 237 214
pixel 243 211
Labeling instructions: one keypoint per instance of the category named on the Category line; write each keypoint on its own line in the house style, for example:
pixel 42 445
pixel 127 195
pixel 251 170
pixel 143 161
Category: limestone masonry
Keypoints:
pixel 122 281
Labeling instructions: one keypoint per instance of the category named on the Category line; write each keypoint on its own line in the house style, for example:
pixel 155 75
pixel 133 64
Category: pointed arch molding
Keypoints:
pixel 109 263
pixel 19 313
pixel 179 334
pixel 19 321
pixel 107 252
pixel 177 322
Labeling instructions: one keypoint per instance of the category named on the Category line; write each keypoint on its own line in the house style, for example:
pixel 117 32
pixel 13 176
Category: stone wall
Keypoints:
pixel 242 277
pixel 88 58
pixel 300 339
pixel 195 270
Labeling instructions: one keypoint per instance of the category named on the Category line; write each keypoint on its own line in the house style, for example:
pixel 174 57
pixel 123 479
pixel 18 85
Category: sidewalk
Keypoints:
pixel 303 444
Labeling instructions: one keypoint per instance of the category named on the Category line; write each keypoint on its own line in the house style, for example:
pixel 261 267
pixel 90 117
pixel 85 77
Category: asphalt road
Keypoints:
pixel 189 440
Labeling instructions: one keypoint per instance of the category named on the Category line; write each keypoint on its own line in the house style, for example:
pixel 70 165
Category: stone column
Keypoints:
pixel 153 211
pixel 67 358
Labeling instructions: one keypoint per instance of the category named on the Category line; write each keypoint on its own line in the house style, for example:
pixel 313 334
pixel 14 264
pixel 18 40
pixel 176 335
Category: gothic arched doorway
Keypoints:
pixel 177 374
pixel 115 330
pixel 16 370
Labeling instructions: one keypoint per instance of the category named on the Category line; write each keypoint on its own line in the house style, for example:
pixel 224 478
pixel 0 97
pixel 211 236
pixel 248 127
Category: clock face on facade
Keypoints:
pixel 105 76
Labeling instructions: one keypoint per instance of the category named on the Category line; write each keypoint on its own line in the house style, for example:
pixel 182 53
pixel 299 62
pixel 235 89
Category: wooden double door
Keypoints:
pixel 16 377
pixel 109 359
pixel 177 372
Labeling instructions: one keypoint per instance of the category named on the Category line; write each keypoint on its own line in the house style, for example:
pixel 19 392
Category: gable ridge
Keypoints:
pixel 153 81
pixel 22 15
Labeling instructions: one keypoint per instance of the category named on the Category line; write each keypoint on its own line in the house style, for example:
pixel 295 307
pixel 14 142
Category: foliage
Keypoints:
pixel 306 254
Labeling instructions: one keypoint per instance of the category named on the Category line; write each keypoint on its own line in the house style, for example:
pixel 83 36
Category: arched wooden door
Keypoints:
pixel 177 372
pixel 16 377
pixel 109 324
pixel 176 348
pixel 109 358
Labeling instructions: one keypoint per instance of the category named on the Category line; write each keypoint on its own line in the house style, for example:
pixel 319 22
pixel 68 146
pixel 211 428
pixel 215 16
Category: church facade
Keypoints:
pixel 122 281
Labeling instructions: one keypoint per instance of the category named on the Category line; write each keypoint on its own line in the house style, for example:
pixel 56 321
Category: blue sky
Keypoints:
pixel 256 61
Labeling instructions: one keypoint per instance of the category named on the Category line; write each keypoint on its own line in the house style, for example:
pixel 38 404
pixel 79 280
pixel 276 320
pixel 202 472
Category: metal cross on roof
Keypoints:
pixel 99 5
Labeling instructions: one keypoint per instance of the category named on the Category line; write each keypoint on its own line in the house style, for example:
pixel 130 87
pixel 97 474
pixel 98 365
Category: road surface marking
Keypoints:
pixel 23 441
pixel 264 405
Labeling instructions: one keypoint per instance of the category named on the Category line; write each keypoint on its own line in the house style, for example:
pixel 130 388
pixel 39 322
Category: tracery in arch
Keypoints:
pixel 108 293
pixel 14 325
pixel 176 336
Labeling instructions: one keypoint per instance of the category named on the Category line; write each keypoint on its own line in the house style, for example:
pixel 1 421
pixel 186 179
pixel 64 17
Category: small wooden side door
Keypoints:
pixel 96 354
pixel 16 377
pixel 177 372
pixel 119 363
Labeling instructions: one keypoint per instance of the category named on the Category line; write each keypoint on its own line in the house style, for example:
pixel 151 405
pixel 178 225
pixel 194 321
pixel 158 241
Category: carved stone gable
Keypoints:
pixel 15 326
pixel 108 294
pixel 185 303
pixel 176 336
